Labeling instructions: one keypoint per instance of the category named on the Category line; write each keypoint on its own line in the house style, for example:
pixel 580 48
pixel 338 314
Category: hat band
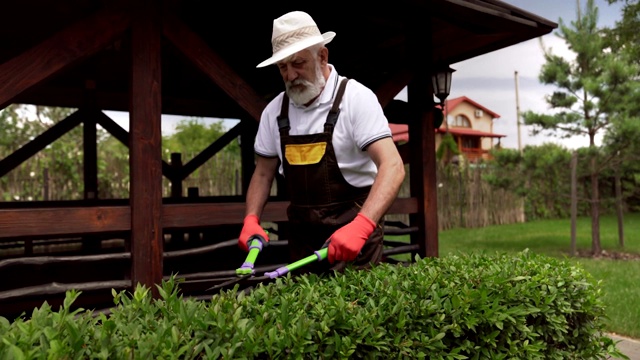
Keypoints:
pixel 291 37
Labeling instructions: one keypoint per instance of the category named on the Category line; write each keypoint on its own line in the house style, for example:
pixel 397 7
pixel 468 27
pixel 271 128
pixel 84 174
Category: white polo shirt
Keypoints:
pixel 361 122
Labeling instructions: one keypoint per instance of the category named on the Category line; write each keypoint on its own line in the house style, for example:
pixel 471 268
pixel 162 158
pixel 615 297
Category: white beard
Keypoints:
pixel 306 90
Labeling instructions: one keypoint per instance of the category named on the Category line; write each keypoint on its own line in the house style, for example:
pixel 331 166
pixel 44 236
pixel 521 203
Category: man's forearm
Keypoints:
pixel 257 195
pixel 384 190
pixel 260 185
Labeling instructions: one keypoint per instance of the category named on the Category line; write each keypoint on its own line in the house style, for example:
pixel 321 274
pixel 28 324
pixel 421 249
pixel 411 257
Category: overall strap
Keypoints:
pixel 332 118
pixel 283 118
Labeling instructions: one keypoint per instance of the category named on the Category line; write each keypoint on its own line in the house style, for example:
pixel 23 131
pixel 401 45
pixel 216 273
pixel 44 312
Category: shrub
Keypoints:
pixel 475 306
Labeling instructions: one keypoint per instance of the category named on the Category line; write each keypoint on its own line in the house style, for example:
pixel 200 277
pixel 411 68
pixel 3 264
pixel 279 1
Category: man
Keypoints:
pixel 331 141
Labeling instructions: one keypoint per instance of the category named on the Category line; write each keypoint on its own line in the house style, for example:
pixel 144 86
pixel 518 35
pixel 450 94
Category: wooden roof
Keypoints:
pixel 50 49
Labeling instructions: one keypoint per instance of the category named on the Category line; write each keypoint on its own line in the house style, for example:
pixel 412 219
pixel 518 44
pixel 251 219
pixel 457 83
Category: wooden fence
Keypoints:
pixel 464 198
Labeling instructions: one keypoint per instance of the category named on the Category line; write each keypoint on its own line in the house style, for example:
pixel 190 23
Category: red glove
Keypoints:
pixel 346 242
pixel 250 228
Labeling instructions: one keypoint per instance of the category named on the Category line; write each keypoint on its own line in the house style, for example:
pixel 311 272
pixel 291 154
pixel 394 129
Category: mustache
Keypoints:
pixel 296 82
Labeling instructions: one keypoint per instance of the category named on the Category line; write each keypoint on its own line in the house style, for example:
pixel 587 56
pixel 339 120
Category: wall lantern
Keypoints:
pixel 441 80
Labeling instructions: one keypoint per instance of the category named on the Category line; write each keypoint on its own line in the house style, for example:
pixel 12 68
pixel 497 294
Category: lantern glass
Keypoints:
pixel 441 82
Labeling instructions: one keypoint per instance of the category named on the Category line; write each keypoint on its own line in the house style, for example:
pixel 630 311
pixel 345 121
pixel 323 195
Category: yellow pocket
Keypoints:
pixel 304 154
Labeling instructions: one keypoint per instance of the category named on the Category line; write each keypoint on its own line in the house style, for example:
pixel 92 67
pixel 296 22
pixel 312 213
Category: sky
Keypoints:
pixel 490 79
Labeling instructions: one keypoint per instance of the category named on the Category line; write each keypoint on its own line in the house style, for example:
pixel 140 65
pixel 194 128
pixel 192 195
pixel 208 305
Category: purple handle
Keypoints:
pixel 255 245
pixel 277 272
pixel 247 265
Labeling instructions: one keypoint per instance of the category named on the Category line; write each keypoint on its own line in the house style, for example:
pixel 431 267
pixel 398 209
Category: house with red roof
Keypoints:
pixel 470 124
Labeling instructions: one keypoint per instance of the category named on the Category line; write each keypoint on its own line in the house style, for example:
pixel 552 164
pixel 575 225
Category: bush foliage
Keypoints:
pixel 458 307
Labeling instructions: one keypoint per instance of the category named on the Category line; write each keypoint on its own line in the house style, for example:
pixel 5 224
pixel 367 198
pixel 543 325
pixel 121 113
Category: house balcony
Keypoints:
pixel 474 155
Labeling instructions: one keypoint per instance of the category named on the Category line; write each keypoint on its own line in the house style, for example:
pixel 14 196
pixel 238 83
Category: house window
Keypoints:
pixel 461 121
pixel 470 142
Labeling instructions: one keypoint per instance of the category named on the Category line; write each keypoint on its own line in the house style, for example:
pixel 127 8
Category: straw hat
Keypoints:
pixel 293 32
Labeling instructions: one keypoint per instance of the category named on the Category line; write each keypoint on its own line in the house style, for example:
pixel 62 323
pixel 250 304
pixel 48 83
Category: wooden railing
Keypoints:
pixel 203 260
pixel 475 154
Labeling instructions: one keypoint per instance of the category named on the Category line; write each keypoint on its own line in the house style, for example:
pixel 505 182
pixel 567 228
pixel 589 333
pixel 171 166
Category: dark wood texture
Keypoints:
pixel 145 145
pixel 422 157
pixel 212 65
pixel 68 221
pixel 90 154
pixel 388 91
pixel 62 50
pixel 64 221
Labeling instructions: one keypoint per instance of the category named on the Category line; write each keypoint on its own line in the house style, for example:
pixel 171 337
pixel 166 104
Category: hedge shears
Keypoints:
pixel 256 244
pixel 317 256
pixel 255 247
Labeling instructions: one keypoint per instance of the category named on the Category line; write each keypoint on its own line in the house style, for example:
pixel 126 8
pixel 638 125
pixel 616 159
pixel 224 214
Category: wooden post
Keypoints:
pixel 45 181
pixel 90 244
pixel 193 193
pixel 574 201
pixel 177 236
pixel 619 210
pixel 89 145
pixel 422 137
pixel 145 145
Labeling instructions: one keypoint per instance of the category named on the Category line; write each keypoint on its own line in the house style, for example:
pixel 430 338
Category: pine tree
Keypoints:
pixel 588 87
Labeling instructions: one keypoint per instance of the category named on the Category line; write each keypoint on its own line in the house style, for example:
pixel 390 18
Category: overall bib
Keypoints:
pixel 321 200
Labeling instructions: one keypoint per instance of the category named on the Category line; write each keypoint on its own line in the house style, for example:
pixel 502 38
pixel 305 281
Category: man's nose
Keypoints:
pixel 292 74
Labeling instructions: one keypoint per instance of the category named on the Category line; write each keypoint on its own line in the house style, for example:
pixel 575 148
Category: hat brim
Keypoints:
pixel 298 46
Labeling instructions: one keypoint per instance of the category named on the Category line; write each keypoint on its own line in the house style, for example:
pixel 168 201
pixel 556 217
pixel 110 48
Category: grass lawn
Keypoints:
pixel 620 278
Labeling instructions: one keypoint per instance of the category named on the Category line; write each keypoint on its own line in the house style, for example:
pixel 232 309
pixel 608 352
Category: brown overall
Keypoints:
pixel 322 201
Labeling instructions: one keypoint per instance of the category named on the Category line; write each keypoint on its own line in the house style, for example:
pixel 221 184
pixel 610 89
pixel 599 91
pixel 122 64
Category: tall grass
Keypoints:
pixel 620 278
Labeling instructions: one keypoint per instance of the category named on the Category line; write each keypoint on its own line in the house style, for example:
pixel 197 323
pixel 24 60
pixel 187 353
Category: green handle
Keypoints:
pixel 317 256
pixel 256 243
pixel 253 253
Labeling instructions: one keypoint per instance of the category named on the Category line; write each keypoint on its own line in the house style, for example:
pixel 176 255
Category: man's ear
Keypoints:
pixel 324 56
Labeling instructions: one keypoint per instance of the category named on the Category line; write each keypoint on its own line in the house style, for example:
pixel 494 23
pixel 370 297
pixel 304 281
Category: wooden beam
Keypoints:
pixel 123 136
pixel 194 48
pixel 71 221
pixel 210 151
pixel 388 91
pixel 145 145
pixel 60 51
pixel 34 146
pixel 480 11
pixel 52 95
pixel 46 222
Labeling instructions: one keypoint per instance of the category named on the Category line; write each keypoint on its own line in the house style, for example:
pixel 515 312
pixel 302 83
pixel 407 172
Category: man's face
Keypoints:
pixel 302 76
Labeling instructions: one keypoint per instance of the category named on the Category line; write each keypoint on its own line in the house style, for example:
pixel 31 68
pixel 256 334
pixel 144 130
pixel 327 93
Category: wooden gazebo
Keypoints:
pixel 198 58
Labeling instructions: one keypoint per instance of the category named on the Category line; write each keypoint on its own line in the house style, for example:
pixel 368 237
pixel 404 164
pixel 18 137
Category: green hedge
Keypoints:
pixel 456 307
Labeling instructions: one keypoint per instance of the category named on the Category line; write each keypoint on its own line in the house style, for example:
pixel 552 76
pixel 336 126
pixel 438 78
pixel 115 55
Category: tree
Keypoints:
pixel 539 175
pixel 625 41
pixel 588 87
pixel 626 33
pixel 218 175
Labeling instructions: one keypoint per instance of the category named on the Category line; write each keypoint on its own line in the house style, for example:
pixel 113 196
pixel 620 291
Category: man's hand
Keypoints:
pixel 345 244
pixel 250 228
